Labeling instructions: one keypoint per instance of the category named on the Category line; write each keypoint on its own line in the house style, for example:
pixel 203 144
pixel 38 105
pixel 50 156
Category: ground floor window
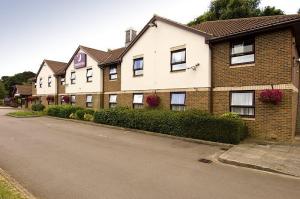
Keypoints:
pixel 89 101
pixel 112 101
pixel 73 100
pixel 242 103
pixel 138 101
pixel 62 101
pixel 178 101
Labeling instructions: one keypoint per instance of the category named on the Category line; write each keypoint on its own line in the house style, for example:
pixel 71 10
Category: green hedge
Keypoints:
pixel 38 107
pixel 63 111
pixel 192 124
pixel 81 112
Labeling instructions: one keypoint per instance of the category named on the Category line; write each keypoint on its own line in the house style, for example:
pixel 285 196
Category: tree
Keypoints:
pixel 232 9
pixel 269 11
pixel 3 92
pixel 299 11
pixel 19 78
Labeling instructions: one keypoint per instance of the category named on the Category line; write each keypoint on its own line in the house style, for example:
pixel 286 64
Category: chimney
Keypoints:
pixel 130 35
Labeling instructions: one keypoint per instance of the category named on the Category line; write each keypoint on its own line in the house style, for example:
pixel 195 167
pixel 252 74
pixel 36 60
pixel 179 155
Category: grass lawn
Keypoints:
pixel 24 114
pixel 7 191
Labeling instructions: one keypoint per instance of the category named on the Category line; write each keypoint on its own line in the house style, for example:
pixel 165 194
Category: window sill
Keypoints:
pixel 175 71
pixel 113 80
pixel 241 65
pixel 248 118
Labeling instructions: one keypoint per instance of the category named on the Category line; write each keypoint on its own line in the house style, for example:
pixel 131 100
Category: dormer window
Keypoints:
pixel 242 52
pixel 62 81
pixel 178 60
pixel 49 81
pixel 113 73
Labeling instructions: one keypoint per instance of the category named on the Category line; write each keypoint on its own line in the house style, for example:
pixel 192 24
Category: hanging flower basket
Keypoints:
pixel 50 98
pixel 66 99
pixel 30 99
pixel 271 96
pixel 153 100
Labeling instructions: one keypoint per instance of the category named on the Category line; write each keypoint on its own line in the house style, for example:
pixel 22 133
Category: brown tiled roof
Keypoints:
pixel 56 67
pixel 224 28
pixel 114 56
pixel 24 89
pixel 99 55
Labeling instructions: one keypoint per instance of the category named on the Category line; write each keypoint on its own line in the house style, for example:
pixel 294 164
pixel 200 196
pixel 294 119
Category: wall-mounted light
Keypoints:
pixel 194 68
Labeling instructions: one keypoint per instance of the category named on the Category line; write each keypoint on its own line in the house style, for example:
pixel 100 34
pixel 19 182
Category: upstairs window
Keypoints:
pixel 41 82
pixel 62 81
pixel 138 101
pixel 178 101
pixel 112 101
pixel 73 78
pixel 242 103
pixel 242 52
pixel 73 100
pixel 49 81
pixel 89 75
pixel 178 60
pixel 113 73
pixel 35 84
pixel 138 67
pixel 89 101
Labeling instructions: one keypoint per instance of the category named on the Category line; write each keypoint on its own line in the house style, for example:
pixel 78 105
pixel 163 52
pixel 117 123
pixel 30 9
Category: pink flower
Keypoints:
pixel 271 96
pixel 153 100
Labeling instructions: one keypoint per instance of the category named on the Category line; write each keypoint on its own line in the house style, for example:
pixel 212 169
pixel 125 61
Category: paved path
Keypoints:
pixel 55 159
pixel 277 158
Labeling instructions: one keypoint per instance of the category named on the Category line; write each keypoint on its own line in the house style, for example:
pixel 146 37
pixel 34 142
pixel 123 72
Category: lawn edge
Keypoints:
pixel 19 188
pixel 224 145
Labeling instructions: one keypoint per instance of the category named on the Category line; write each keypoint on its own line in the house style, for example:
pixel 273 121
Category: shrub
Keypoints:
pixel 88 117
pixel 192 123
pixel 81 112
pixel 37 107
pixel 231 115
pixel 63 111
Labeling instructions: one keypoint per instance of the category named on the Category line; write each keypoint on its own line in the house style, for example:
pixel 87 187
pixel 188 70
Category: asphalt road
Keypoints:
pixel 57 159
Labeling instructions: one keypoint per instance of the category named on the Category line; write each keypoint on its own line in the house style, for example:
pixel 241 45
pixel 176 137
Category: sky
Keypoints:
pixel 34 30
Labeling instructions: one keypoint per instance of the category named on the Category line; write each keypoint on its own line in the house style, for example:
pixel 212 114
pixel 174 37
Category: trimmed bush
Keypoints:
pixel 62 111
pixel 80 113
pixel 38 107
pixel 192 123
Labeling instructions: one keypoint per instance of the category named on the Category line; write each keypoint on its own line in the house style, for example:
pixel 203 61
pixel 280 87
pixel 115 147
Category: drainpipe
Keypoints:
pixel 210 100
pixel 102 95
pixel 56 100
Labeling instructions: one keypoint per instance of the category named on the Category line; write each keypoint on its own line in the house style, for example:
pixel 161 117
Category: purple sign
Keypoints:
pixel 80 60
